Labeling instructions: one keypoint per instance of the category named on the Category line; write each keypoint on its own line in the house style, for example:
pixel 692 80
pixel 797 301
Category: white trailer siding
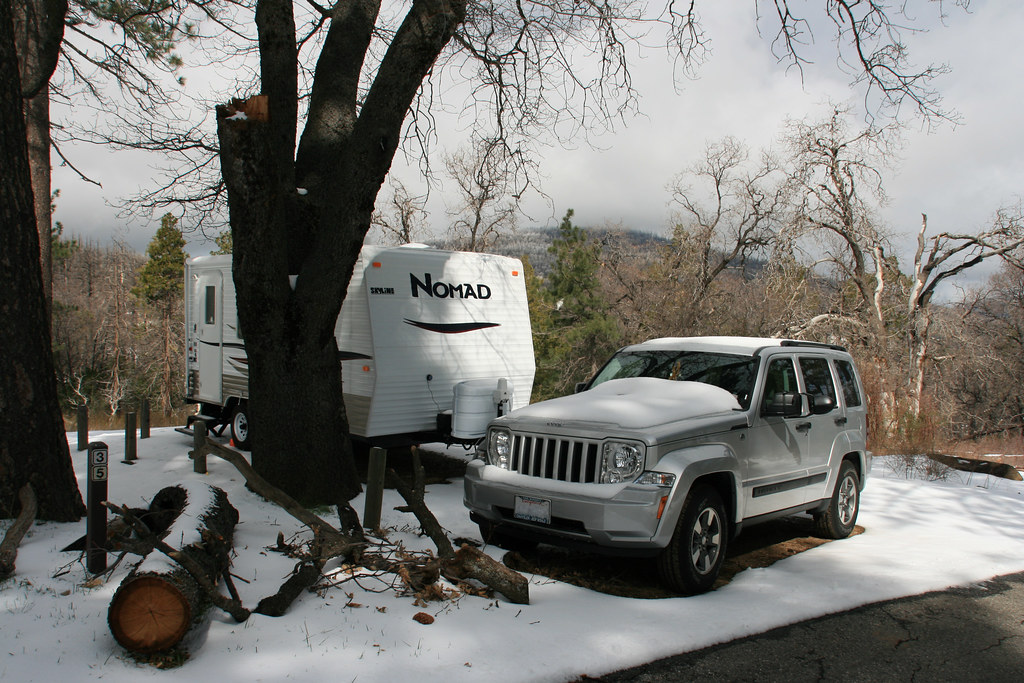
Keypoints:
pixel 446 316
pixel 410 314
pixel 216 361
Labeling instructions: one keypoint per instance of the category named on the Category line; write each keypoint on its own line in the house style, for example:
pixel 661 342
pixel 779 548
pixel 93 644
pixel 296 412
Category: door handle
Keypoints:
pixel 840 421
pixel 803 426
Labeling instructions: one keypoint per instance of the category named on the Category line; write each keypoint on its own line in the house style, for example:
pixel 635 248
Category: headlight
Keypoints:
pixel 499 448
pixel 657 479
pixel 621 461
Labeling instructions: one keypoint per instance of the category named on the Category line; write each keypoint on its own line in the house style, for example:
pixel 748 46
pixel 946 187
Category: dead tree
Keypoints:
pixel 940 258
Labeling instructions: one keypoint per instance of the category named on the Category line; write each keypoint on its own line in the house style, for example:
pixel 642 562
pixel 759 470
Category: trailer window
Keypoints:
pixel 211 305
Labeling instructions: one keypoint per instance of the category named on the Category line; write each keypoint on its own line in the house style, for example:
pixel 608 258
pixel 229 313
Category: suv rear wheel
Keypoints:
pixel 691 561
pixel 839 518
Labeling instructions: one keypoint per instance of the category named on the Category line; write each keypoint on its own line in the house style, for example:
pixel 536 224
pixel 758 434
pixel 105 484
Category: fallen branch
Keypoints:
pixel 415 504
pixel 329 542
pixel 468 562
pixel 473 563
pixel 17 531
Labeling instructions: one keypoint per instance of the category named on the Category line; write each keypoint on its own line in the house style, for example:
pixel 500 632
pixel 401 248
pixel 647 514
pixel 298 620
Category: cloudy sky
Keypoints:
pixel 957 175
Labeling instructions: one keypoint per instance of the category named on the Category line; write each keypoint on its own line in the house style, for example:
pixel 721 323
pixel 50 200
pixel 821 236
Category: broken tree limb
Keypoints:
pixel 415 504
pixel 17 531
pixel 159 600
pixel 468 562
pixel 304 576
pixel 329 542
pixel 473 563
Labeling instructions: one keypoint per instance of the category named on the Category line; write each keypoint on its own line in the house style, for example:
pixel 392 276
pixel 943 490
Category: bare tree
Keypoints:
pixel 837 179
pixel 940 258
pixel 728 211
pixel 870 43
pixel 402 219
pixel 488 191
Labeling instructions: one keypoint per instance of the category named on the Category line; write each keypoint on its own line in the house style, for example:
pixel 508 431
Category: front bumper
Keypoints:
pixel 617 517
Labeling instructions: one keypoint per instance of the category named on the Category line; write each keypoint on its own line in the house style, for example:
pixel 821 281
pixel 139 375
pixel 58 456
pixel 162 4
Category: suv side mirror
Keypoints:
pixel 822 404
pixel 786 404
pixel 580 386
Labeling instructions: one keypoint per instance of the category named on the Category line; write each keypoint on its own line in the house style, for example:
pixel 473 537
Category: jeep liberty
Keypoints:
pixel 673 447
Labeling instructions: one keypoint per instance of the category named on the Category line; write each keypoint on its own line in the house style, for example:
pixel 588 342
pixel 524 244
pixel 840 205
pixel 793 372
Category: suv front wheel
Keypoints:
pixel 691 561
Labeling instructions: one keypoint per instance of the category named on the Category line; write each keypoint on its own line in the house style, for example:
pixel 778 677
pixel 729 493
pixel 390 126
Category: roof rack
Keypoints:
pixel 815 345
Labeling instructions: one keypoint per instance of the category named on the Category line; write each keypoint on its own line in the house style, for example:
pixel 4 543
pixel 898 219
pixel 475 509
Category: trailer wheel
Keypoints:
pixel 240 426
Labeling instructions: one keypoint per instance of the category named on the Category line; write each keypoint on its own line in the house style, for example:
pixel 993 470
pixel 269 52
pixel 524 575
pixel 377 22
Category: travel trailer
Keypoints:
pixel 433 344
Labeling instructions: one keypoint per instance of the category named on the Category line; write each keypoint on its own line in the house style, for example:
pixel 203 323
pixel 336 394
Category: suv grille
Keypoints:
pixel 575 460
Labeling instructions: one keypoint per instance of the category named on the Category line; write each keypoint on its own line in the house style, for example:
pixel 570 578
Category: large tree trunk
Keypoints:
pixel 33 446
pixel 39 27
pixel 299 427
pixel 298 419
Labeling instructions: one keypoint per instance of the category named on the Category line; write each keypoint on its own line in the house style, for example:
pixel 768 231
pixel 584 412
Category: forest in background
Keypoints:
pixel 118 327
pixel 783 244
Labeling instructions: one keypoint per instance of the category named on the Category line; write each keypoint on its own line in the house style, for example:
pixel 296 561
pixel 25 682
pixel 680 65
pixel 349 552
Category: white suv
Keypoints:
pixel 673 447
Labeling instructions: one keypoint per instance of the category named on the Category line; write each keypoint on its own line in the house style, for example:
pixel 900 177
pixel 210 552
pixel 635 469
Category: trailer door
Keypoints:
pixel 209 320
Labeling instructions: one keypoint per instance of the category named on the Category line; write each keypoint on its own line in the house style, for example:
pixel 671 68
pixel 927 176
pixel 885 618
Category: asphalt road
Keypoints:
pixel 962 634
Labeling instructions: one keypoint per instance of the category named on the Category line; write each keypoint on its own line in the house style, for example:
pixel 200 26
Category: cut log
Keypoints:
pixel 163 596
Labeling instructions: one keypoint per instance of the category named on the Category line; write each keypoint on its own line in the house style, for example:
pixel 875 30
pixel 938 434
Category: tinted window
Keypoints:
pixel 848 381
pixel 780 379
pixel 817 377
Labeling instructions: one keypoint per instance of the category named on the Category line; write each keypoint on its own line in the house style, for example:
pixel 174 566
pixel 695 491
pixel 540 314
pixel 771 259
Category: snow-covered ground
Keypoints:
pixel 919 536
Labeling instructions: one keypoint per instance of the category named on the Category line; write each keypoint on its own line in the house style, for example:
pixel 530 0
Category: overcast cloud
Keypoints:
pixel 959 177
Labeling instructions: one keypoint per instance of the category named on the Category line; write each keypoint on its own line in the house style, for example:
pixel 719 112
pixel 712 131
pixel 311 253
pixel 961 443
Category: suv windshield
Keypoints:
pixel 733 373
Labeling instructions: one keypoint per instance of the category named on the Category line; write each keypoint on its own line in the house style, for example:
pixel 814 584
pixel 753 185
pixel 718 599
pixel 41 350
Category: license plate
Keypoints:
pixel 533 509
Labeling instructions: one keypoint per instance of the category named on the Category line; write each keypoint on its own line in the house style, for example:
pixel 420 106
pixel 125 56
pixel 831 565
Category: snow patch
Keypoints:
pixel 635 403
pixel 919 536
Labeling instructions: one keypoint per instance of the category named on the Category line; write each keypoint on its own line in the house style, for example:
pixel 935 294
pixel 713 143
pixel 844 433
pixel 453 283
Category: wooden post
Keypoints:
pixel 96 513
pixel 130 451
pixel 374 487
pixel 144 419
pixel 199 447
pixel 83 427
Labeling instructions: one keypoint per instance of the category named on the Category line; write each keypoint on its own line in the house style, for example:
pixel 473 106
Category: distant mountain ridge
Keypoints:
pixel 534 243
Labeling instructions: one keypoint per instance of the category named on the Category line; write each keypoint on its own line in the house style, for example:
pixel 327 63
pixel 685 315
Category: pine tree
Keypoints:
pixel 160 286
pixel 224 244
pixel 573 331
